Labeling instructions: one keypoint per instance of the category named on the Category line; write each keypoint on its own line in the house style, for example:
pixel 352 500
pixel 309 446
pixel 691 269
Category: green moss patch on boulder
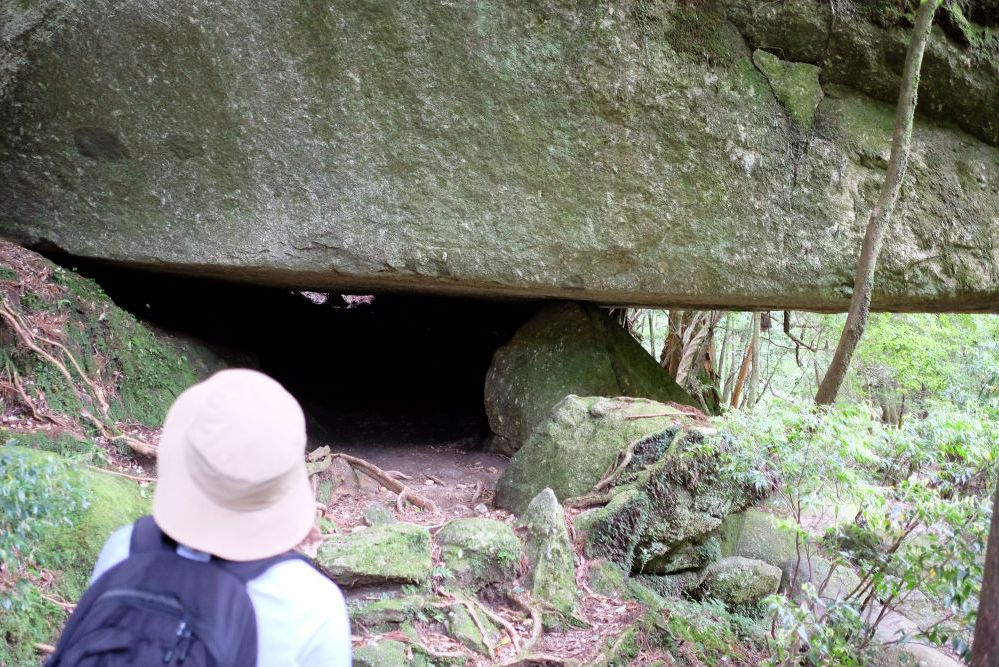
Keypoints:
pixel 613 531
pixel 396 554
pixel 551 573
pixel 479 552
pixel 740 582
pixel 758 535
pixel 382 653
pixel 606 578
pixel 387 613
pixel 111 502
pixel 573 446
pixel 796 85
pixel 567 348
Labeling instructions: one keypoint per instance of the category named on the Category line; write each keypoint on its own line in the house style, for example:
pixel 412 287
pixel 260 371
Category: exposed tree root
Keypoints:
pixel 135 478
pixel 95 395
pixel 379 475
pixel 506 625
pixel 487 640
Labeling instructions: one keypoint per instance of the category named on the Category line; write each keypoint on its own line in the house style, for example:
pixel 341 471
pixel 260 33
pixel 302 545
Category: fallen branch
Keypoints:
pixel 624 459
pixel 588 500
pixel 651 415
pixel 379 475
pixel 400 502
pixel 135 478
pixel 68 606
pixel 47 649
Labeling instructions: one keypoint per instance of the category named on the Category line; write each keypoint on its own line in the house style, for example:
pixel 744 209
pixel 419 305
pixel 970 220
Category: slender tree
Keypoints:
pixel 860 302
pixel 985 647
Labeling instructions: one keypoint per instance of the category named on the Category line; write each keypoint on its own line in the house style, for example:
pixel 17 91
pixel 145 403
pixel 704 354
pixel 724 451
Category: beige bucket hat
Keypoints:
pixel 232 479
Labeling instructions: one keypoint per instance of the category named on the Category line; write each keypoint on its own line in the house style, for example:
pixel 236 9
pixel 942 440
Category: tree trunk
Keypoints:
pixel 860 302
pixel 752 394
pixel 985 648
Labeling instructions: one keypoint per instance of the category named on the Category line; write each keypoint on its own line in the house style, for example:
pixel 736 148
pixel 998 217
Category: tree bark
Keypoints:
pixel 860 301
pixel 752 395
pixel 985 647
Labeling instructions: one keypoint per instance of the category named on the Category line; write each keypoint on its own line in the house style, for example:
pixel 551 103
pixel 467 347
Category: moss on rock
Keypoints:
pixel 796 85
pixel 740 582
pixel 575 444
pixel 551 574
pixel 613 531
pixel 567 348
pixel 398 553
pixel 758 535
pixel 387 613
pixel 479 552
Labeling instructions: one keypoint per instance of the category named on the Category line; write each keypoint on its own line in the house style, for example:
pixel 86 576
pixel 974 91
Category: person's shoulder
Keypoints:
pixel 298 577
pixel 113 552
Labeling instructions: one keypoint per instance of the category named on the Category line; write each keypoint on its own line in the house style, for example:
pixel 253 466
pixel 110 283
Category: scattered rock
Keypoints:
pixel 576 443
pixel 387 612
pixel 479 552
pixel 398 553
pixel 384 653
pixel 551 574
pixel 740 582
pixel 758 535
pixel 378 515
pixel 567 348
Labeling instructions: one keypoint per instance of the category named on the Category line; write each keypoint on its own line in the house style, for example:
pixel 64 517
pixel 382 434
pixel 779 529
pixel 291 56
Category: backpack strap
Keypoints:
pixel 147 536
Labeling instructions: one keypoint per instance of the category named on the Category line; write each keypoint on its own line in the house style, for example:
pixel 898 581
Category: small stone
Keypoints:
pixel 397 554
pixel 739 581
pixel 378 515
pixel 481 509
pixel 479 552
pixel 385 653
pixel 551 575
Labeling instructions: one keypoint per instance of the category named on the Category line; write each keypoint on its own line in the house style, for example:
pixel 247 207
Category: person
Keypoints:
pixel 233 486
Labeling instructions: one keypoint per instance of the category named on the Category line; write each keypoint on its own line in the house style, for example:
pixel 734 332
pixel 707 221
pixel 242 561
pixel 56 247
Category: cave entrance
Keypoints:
pixel 374 373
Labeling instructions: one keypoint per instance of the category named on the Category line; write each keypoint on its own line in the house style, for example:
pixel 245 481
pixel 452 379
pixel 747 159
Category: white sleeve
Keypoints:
pixel 114 551
pixel 329 645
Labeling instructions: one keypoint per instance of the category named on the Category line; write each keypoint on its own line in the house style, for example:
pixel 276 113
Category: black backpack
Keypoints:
pixel 159 608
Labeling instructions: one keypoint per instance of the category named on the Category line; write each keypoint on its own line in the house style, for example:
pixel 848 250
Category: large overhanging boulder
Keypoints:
pixel 616 153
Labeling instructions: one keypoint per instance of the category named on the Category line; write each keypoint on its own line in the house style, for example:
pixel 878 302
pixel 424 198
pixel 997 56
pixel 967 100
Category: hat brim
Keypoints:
pixel 186 514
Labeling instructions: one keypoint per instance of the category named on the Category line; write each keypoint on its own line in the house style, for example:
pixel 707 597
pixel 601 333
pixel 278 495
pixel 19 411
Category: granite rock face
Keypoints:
pixel 630 153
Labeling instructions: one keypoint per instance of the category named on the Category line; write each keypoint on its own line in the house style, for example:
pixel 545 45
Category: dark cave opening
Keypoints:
pixel 385 369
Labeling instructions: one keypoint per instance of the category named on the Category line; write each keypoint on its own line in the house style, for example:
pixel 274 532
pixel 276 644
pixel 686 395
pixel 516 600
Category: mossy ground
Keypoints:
pixel 139 371
pixel 64 556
